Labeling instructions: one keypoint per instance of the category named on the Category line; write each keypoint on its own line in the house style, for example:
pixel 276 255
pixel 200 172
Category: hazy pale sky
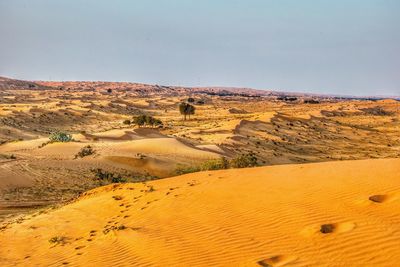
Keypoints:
pixel 342 46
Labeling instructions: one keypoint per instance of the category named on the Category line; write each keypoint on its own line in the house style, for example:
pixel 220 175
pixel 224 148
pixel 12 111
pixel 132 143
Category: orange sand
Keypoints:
pixel 267 216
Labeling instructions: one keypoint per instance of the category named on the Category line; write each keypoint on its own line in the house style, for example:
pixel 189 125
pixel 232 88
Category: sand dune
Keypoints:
pixel 343 213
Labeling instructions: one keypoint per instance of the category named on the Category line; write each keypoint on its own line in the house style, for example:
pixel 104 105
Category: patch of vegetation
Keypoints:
pixel 147 121
pixel 127 122
pixel 377 111
pixel 311 101
pixel 287 98
pixel 213 164
pixel 102 175
pixel 184 169
pixel 85 151
pixel 244 161
pixel 4 156
pixel 241 161
pixel 58 137
pixel 61 137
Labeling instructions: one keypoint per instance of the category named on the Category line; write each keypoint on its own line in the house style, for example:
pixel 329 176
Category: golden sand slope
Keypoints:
pixel 267 216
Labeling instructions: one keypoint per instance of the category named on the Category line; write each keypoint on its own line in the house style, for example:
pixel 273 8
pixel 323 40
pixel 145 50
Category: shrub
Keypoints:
pixel 146 120
pixel 190 100
pixel 127 122
pixel 244 160
pixel 209 165
pixel 377 111
pixel 12 156
pixel 60 137
pixel 215 164
pixel 183 169
pixel 102 175
pixel 85 151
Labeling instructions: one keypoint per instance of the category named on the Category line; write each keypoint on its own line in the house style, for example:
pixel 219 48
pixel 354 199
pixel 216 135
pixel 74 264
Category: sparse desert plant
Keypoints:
pixel 85 151
pixel 103 175
pixel 190 100
pixel 377 111
pixel 127 122
pixel 244 161
pixel 4 156
pixel 60 137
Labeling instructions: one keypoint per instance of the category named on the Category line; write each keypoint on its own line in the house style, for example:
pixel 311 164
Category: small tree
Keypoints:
pixel 186 109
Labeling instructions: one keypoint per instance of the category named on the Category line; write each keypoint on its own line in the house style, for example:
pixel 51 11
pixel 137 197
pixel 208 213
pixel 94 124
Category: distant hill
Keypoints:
pixel 155 89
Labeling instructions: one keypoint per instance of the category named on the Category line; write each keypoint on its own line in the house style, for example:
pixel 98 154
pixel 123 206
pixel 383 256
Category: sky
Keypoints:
pixel 349 47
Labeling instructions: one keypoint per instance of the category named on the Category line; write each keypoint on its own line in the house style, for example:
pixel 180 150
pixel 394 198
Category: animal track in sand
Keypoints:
pixel 328 228
pixel 378 198
pixel 277 261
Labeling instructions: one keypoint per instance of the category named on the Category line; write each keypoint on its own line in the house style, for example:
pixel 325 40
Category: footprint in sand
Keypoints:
pixel 378 198
pixel 277 261
pixel 328 228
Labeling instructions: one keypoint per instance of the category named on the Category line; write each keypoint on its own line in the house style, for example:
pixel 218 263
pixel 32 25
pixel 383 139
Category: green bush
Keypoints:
pixel 60 137
pixel 244 161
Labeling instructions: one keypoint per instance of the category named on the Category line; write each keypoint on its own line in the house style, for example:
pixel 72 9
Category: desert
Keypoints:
pixel 252 178
pixel 174 133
